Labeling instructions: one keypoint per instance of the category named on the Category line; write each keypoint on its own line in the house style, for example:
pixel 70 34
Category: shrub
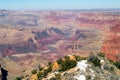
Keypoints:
pixel 18 78
pixel 108 67
pixel 40 69
pixel 101 54
pixel 53 78
pixel 49 69
pixel 46 71
pixel 34 71
pixel 111 61
pixel 94 59
pixel 67 64
pixel 49 63
pixel 83 58
pixel 77 58
pixel 59 61
pixel 39 75
pixel 117 64
pixel 58 76
pixel 66 57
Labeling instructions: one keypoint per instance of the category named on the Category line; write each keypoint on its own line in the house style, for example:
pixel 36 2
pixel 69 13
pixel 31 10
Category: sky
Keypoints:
pixel 58 4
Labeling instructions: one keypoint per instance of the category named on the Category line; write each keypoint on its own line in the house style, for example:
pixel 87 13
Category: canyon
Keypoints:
pixel 32 38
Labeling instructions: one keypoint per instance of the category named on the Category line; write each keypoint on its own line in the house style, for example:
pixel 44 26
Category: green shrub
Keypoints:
pixel 78 58
pixel 67 64
pixel 53 78
pixel 111 61
pixel 18 78
pixel 94 59
pixel 39 75
pixel 40 69
pixel 49 69
pixel 46 71
pixel 101 54
pixel 34 71
pixel 59 61
pixel 83 58
pixel 66 57
pixel 117 64
pixel 58 76
pixel 49 63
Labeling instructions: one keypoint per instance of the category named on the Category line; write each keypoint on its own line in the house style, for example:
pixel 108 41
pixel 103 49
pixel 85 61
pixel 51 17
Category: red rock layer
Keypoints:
pixel 111 45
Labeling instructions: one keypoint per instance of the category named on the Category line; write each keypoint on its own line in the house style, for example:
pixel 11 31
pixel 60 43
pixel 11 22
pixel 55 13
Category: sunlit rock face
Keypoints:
pixel 58 31
pixel 34 31
pixel 111 45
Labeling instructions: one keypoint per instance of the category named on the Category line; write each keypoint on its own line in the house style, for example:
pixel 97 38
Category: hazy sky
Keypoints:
pixel 57 4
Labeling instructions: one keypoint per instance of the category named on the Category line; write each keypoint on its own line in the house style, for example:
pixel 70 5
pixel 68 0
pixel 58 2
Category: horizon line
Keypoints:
pixel 87 9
